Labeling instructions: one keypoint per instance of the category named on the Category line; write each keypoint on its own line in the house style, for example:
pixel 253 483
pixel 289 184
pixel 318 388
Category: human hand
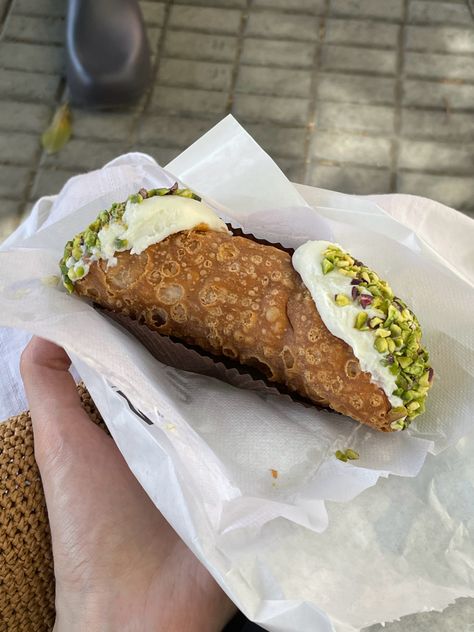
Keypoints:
pixel 118 564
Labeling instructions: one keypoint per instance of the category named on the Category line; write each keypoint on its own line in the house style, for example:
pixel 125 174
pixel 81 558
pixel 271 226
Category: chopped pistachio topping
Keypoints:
pixel 78 252
pixel 347 455
pixel 342 300
pixel 360 320
pixel 397 332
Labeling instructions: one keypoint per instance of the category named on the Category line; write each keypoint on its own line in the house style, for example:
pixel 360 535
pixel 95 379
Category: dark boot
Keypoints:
pixel 107 53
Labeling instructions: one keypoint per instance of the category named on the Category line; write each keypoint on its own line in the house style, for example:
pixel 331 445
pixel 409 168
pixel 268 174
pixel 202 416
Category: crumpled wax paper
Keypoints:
pixel 207 452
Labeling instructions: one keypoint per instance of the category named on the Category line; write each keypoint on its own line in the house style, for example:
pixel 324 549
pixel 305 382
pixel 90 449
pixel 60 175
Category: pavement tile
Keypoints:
pixel 437 156
pixel 438 12
pixel 209 19
pixel 3 9
pixel 355 117
pixel 172 131
pixel 188 101
pixel 110 125
pixel 28 86
pixel 351 148
pixel 274 25
pixel 162 155
pixel 366 60
pixel 444 95
pixel 457 192
pixel 256 108
pixel 267 52
pixel 8 224
pixel 84 155
pixel 31 57
pixel 440 38
pixel 356 88
pixel 18 148
pixel 48 8
pixel 316 7
pixel 385 9
pixel 362 32
pixel 195 74
pixel 153 12
pixel 452 126
pixel 43 29
pixel 274 81
pixel 439 66
pixel 24 117
pixel 294 170
pixel 239 4
pixel 287 142
pixel 8 208
pixel 201 46
pixel 13 181
pixel 349 179
pixel 154 35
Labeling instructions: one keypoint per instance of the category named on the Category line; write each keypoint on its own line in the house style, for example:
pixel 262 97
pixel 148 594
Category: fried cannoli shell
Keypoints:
pixel 235 297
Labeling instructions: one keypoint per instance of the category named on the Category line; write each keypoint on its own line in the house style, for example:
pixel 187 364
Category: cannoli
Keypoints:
pixel 317 322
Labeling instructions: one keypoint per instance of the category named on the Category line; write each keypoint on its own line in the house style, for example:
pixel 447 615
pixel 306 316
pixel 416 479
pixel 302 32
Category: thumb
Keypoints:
pixel 57 415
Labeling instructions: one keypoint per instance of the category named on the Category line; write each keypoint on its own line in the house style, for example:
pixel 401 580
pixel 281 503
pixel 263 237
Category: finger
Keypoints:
pixel 49 386
pixel 54 402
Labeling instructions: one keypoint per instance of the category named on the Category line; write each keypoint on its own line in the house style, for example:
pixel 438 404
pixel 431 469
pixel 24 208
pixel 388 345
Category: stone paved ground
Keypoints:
pixel 362 96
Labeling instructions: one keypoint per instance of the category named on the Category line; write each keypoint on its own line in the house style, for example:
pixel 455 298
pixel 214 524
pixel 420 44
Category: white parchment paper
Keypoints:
pixel 205 450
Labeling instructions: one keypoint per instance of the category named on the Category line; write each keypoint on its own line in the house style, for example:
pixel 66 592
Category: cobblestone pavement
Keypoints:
pixel 362 96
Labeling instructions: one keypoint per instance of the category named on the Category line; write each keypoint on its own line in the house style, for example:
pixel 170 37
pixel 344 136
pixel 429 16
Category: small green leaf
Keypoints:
pixel 59 132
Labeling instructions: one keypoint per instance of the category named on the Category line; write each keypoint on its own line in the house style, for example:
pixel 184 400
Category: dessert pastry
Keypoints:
pixel 318 322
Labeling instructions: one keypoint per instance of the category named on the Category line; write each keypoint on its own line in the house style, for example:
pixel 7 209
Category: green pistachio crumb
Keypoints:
pixel 425 379
pixel 375 322
pixel 121 244
pixel 187 193
pixel 404 361
pixel 409 395
pixel 342 300
pixel 327 266
pixel 352 454
pixel 381 345
pixel 360 320
pixel 398 425
pixel 348 455
pixel 391 345
pixel 394 369
pixel 68 284
pixel 76 253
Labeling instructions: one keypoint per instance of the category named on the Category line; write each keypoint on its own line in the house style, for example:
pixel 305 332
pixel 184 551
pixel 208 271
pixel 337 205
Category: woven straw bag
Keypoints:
pixel 26 560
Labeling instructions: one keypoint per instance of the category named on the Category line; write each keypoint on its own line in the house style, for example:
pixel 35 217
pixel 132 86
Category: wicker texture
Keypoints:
pixel 26 560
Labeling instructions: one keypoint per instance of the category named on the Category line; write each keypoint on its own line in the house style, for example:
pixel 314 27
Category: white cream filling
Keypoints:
pixel 340 320
pixel 152 220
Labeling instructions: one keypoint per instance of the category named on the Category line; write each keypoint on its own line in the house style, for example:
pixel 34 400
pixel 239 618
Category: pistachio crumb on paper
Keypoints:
pixel 347 455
